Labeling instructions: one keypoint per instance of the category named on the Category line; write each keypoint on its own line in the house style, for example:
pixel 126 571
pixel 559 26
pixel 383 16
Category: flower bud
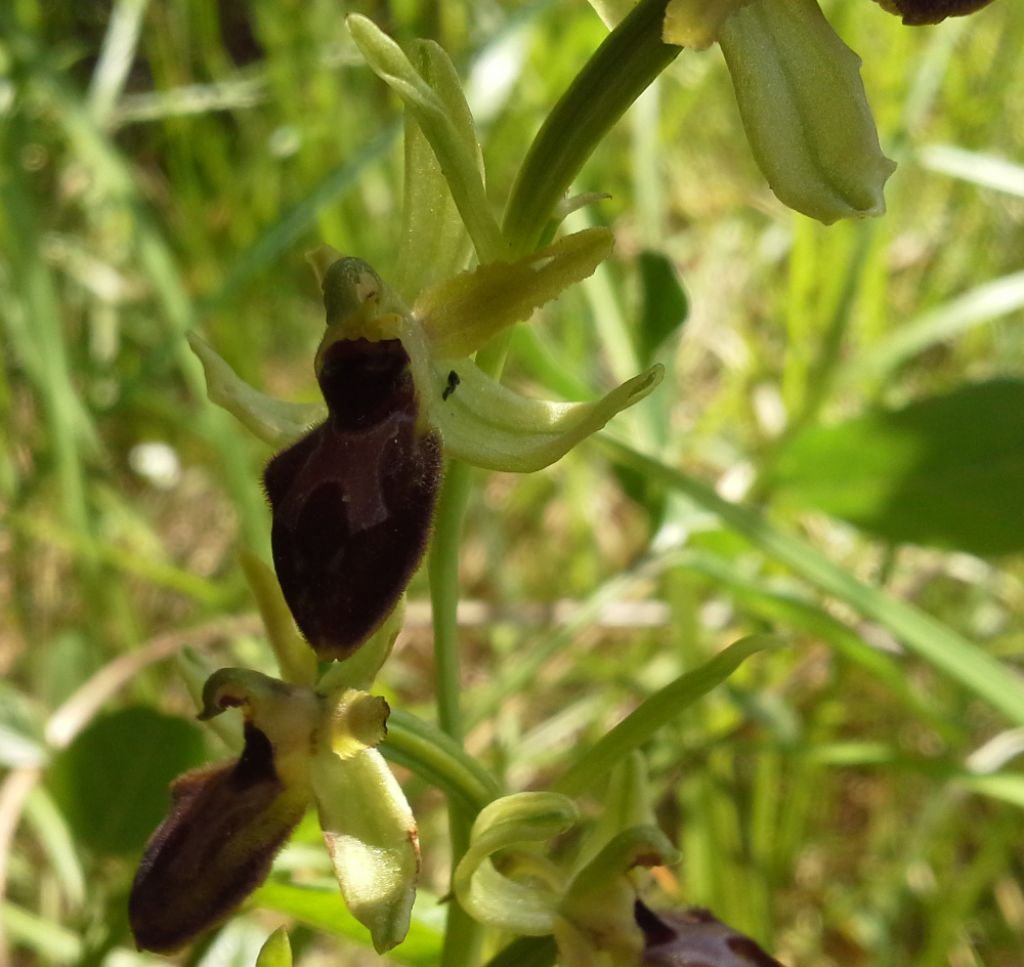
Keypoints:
pixel 803 105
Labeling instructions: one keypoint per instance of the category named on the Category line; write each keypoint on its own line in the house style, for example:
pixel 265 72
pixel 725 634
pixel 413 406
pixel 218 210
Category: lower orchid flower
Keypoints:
pixel 303 746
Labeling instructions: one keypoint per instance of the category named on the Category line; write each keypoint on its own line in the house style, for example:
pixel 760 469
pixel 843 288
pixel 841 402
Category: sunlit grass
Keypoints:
pixel 834 800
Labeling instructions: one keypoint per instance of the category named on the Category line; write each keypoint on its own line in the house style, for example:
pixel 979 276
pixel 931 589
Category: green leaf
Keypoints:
pixel 111 782
pixel 657 710
pixel 933 641
pixel 665 306
pixel 325 910
pixel 947 470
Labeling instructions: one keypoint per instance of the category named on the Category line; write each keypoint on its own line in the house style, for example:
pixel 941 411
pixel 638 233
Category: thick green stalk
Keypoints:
pixel 631 57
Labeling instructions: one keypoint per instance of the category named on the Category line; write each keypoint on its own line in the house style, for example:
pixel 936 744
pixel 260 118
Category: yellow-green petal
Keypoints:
pixel 462 313
pixel 372 838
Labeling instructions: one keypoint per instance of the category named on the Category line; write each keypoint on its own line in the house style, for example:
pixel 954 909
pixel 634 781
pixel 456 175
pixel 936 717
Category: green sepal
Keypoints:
pixel 803 105
pixel 515 823
pixel 492 426
pixel 274 421
pixel 464 312
pixel 372 838
pixel 442 126
pixel 434 242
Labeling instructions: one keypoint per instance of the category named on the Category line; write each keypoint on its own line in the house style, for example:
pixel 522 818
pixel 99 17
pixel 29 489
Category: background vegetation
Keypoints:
pixel 851 799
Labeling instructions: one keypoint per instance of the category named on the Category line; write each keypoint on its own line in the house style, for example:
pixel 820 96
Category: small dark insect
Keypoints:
pixel 353 500
pixel 453 381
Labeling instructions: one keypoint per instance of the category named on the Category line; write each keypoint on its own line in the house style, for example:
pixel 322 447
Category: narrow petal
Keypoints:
pixel 462 313
pixel 372 838
pixel 273 421
pixel 489 425
pixel 296 662
pixel 215 847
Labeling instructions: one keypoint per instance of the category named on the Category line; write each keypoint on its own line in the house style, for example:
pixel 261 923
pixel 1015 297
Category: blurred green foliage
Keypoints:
pixel 164 166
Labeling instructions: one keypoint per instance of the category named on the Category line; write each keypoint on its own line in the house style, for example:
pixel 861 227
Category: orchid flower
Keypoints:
pixel 585 901
pixel 353 497
pixel 303 745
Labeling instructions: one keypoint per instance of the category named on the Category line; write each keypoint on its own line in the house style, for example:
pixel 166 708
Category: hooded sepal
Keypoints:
pixel 489 425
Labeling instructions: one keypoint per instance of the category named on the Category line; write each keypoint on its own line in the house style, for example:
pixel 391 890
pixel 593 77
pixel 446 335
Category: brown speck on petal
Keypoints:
pixel 695 938
pixel 225 825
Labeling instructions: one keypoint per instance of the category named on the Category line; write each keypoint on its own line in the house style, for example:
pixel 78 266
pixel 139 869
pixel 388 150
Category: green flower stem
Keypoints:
pixel 636 728
pixel 933 641
pixel 444 594
pixel 631 57
pixel 440 760
pixel 463 937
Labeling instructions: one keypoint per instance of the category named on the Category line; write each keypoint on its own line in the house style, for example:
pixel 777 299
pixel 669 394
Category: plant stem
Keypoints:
pixel 434 756
pixel 631 57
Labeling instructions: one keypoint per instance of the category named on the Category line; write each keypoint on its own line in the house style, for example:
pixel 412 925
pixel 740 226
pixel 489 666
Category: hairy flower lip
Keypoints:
pixel 920 13
pixel 226 822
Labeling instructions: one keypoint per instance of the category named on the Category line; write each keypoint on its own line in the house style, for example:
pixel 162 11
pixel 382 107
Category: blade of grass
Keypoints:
pixel 939 645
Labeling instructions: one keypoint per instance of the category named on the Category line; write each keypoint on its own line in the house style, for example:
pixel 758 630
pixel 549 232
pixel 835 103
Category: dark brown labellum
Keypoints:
pixel 919 12
pixel 695 938
pixel 353 500
pixel 225 825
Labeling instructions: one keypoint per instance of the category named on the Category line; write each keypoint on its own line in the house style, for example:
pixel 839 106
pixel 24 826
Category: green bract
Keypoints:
pixel 506 881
